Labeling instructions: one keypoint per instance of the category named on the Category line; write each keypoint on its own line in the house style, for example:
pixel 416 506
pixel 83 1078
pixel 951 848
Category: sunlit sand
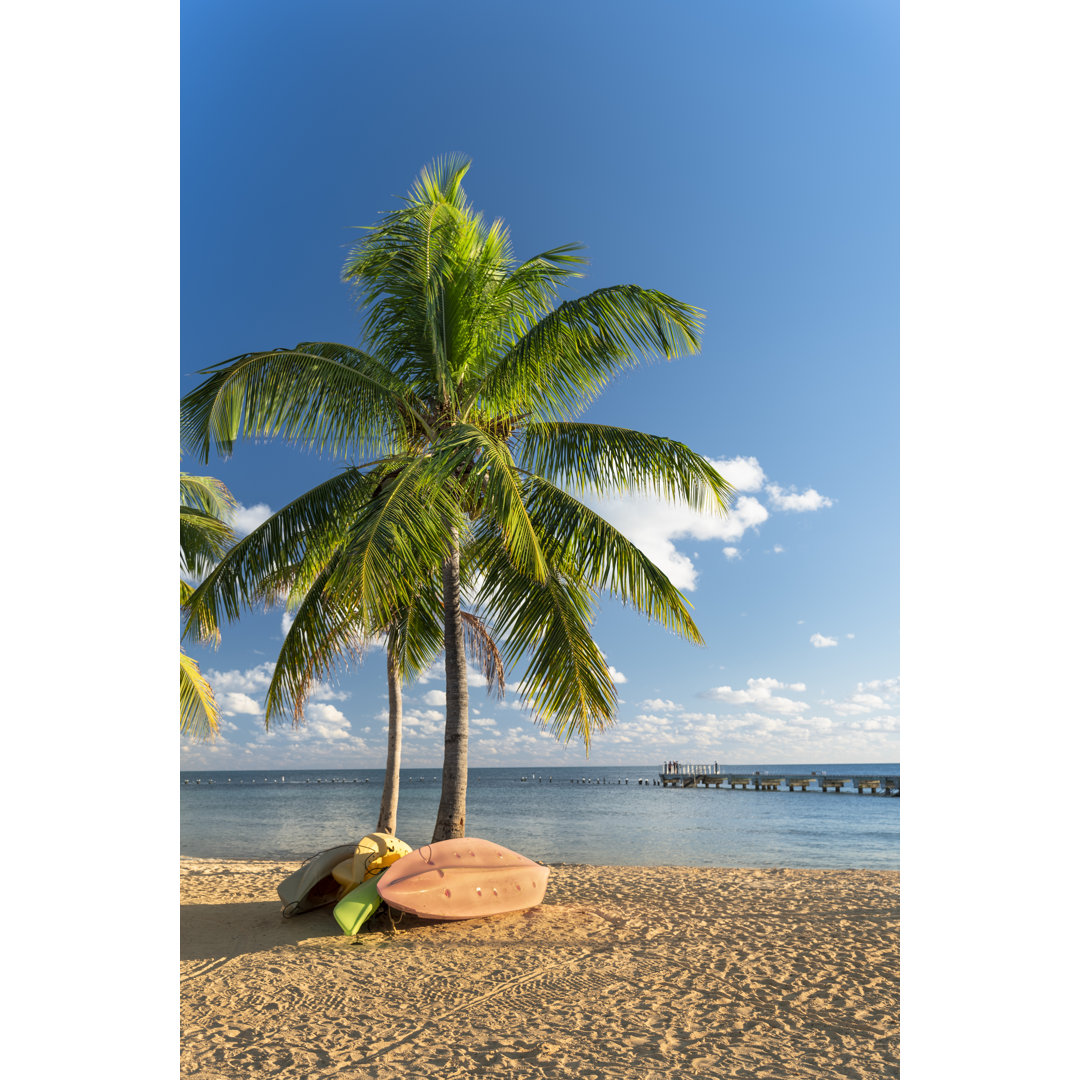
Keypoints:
pixel 622 971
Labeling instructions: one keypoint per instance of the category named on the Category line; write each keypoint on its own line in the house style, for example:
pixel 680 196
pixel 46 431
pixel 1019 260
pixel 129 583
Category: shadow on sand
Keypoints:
pixel 227 930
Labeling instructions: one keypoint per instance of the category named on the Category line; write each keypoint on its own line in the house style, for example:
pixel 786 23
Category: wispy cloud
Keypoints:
pixel 819 641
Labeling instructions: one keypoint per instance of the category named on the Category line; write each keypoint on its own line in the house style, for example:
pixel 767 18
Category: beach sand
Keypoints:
pixel 635 972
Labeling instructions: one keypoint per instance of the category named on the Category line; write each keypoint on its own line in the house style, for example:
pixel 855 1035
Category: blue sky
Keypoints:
pixel 742 157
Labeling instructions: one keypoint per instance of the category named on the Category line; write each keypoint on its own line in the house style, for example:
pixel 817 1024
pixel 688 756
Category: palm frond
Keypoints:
pixel 208 494
pixel 321 395
pixel 401 268
pixel 566 682
pixel 576 536
pixel 198 709
pixel 402 531
pixel 484 652
pixel 247 571
pixel 203 540
pixel 563 361
pixel 605 460
pixel 324 636
pixel 485 470
pixel 206 506
pixel 416 634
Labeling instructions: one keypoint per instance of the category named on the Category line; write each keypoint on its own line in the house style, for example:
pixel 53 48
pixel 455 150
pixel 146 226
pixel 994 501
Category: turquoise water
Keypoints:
pixel 551 815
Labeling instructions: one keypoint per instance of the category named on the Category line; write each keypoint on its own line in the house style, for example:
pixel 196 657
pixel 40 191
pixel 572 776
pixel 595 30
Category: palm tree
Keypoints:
pixel 205 536
pixel 293 557
pixel 484 653
pixel 463 404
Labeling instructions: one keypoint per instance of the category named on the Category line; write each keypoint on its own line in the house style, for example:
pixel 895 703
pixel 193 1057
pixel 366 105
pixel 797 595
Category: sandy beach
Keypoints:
pixel 622 971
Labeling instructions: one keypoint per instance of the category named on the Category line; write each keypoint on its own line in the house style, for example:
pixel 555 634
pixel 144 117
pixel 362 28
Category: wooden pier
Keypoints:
pixel 677 775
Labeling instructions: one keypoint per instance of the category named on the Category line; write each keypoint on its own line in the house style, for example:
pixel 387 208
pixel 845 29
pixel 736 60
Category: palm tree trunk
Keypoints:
pixel 388 808
pixel 450 820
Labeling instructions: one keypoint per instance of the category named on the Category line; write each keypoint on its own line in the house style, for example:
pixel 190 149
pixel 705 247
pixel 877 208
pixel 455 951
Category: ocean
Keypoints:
pixel 574 814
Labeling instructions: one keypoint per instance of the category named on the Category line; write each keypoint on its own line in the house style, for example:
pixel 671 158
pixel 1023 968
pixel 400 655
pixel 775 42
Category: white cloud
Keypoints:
pixel 743 474
pixel 778 549
pixel 616 676
pixel 248 518
pixel 254 680
pixel 234 703
pixel 286 623
pixel 654 525
pixel 425 723
pixel 759 693
pixel 877 723
pixel 888 687
pixel 819 723
pixel 437 672
pixel 321 691
pixel 848 708
pixel 732 553
pixel 819 641
pixel 660 705
pixel 878 696
pixel 792 500
pixel 651 720
pixel 435 697
pixel 870 701
pixel 327 722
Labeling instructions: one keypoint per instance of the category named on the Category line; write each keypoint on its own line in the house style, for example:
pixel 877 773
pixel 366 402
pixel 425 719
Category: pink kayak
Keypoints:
pixel 462 879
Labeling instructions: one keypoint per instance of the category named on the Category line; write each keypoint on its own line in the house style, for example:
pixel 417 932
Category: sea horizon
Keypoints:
pixel 601 815
pixel 864 767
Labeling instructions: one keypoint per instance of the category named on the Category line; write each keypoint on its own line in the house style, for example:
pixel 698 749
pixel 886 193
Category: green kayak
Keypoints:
pixel 354 908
